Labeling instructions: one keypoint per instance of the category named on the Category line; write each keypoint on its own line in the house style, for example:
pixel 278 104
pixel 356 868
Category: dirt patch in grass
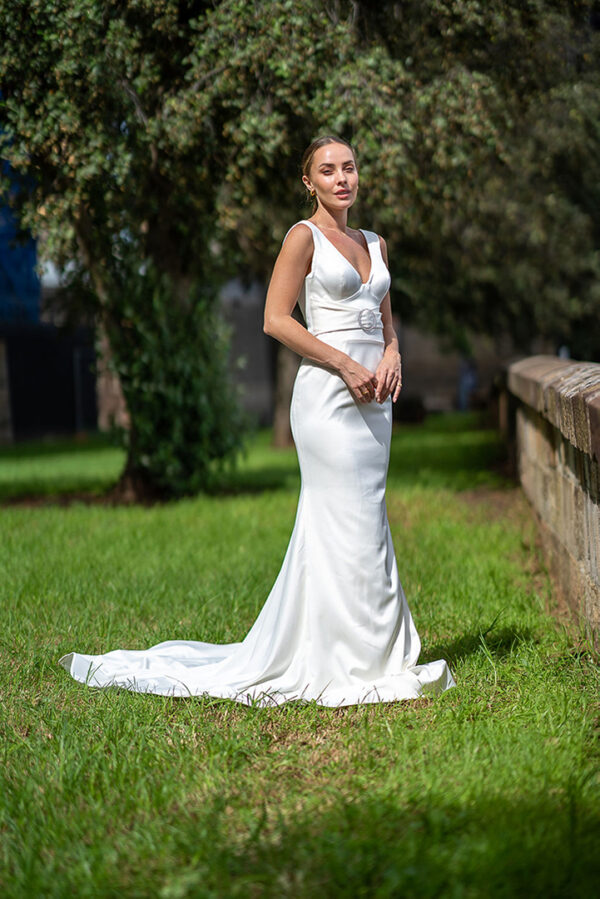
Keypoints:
pixel 497 503
pixel 510 505
pixel 36 501
pixel 112 497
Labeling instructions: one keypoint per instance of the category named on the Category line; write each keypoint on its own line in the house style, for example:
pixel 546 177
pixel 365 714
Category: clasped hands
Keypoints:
pixel 385 381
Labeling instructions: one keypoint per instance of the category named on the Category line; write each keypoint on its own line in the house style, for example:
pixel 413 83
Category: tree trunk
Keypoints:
pixel 112 408
pixel 287 366
pixel 134 486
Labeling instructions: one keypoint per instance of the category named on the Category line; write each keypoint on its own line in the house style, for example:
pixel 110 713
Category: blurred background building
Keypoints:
pixel 50 386
pixel 47 385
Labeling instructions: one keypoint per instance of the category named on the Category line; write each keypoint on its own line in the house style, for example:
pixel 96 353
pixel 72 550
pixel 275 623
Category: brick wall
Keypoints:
pixel 558 452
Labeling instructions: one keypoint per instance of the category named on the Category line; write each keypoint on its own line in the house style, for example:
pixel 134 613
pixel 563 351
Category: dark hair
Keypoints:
pixel 307 156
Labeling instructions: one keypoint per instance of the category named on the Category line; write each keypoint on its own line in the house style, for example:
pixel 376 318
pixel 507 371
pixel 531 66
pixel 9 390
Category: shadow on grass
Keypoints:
pixel 35 449
pixel 64 491
pixel 60 471
pixel 452 451
pixel 500 643
pixel 261 480
pixel 446 451
pixel 432 455
pixel 393 846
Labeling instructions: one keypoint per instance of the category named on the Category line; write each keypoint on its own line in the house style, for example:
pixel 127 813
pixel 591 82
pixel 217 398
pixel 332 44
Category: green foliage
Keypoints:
pixel 173 130
pixel 59 467
pixel 476 125
pixel 480 123
pixel 491 790
pixel 113 188
pixel 173 364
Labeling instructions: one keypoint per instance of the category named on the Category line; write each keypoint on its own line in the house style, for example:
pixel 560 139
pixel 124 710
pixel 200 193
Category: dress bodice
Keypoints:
pixel 333 296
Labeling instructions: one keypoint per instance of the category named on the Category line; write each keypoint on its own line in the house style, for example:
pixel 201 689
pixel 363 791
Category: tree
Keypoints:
pixel 164 137
pixel 88 93
pixel 476 126
pixel 498 219
pixel 477 130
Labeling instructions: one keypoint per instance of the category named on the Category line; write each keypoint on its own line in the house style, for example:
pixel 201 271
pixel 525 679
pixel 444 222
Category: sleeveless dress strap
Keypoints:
pixel 312 227
pixel 373 242
pixel 370 236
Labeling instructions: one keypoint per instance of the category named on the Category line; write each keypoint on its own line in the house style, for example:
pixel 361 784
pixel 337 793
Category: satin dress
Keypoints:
pixel 336 627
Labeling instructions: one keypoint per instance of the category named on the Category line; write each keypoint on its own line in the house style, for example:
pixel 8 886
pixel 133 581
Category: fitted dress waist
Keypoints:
pixel 325 320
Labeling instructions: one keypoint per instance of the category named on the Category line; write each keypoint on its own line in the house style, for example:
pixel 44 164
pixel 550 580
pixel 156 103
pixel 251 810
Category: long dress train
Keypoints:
pixel 336 627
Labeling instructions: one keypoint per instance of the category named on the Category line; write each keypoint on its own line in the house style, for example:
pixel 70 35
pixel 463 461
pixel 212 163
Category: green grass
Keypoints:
pixel 51 467
pixel 490 790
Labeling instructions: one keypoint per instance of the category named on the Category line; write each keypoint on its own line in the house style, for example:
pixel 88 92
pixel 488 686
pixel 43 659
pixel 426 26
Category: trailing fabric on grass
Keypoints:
pixel 336 627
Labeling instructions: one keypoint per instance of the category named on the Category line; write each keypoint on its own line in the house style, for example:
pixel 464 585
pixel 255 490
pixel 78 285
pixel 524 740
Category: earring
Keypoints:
pixel 313 192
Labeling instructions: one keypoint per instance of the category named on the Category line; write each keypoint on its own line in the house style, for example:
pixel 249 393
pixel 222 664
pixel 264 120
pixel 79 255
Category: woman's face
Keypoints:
pixel 334 176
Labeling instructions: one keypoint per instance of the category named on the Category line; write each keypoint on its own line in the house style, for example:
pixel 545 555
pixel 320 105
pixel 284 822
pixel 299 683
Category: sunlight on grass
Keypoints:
pixel 491 790
pixel 52 467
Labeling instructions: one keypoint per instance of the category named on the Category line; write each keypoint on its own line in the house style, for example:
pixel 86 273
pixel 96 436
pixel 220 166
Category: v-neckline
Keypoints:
pixel 363 283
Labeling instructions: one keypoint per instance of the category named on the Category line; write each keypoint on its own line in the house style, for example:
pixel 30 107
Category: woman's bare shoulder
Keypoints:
pixel 298 243
pixel 300 234
pixel 292 265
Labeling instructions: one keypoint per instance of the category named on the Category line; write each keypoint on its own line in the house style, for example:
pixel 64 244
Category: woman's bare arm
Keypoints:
pixel 290 269
pixel 389 372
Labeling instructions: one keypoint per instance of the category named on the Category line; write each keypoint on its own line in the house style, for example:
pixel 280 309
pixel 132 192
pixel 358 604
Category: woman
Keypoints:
pixel 336 627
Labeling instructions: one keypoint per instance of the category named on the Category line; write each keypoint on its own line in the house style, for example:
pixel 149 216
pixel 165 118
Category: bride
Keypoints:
pixel 335 627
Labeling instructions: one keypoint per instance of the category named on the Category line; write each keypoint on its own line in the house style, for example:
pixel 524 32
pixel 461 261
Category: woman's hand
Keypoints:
pixel 360 381
pixel 388 376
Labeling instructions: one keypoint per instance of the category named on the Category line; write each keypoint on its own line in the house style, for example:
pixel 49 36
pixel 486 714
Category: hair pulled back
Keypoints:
pixel 308 155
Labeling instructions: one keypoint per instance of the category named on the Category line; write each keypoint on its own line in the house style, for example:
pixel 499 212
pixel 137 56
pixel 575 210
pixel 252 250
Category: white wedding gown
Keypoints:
pixel 335 627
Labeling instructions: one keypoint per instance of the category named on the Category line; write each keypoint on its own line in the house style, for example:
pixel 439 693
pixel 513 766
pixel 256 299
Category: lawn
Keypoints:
pixel 489 790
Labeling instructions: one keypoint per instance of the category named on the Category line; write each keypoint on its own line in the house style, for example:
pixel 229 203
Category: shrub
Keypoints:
pixel 170 349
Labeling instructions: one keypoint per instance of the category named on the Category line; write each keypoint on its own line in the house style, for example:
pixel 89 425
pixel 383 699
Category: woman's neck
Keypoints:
pixel 333 220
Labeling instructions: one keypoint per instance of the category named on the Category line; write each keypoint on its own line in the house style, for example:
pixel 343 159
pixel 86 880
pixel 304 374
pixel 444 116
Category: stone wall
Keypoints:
pixel 558 452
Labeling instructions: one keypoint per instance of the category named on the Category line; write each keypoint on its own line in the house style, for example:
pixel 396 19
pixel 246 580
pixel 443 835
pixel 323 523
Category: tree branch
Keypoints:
pixel 141 116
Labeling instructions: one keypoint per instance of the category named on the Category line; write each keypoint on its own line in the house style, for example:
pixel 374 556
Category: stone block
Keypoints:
pixel 593 479
pixel 558 448
pixel 592 515
pixel 582 402
pixel 566 524
pixel 544 444
pixel 593 413
pixel 579 526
